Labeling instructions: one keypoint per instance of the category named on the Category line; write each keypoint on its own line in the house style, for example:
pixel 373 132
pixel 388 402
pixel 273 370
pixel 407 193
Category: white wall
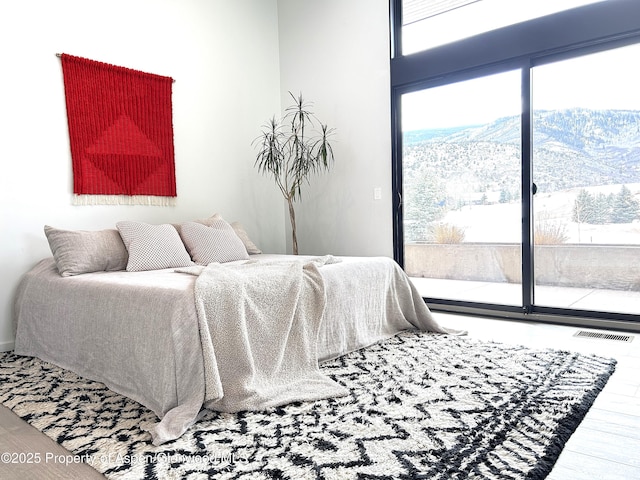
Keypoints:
pixel 336 52
pixel 224 58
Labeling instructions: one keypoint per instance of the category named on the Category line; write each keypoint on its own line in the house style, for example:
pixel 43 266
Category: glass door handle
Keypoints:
pixel 534 188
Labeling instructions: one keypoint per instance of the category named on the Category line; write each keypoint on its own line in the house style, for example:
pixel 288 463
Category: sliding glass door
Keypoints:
pixel 461 167
pixel 516 157
pixel 586 165
pixel 464 216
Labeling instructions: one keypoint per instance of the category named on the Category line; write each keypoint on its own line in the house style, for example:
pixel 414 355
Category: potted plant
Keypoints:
pixel 291 149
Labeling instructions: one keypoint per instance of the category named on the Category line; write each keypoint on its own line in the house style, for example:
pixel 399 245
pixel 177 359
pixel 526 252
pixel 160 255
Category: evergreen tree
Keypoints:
pixel 424 203
pixel 601 209
pixel 625 207
pixel 584 210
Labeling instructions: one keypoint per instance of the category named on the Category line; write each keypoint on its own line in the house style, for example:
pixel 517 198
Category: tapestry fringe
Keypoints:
pixel 124 200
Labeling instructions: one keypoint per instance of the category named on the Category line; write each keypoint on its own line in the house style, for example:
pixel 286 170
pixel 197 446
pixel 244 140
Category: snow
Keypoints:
pixel 501 223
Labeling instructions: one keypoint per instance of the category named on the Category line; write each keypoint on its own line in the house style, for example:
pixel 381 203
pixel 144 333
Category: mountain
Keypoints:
pixel 571 148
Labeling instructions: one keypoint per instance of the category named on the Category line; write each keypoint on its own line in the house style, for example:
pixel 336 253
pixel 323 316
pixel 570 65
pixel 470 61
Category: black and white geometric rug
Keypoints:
pixel 421 406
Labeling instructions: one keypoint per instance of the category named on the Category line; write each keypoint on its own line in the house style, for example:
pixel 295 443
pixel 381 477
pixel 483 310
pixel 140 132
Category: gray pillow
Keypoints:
pixel 152 247
pixel 78 251
pixel 214 243
pixel 251 247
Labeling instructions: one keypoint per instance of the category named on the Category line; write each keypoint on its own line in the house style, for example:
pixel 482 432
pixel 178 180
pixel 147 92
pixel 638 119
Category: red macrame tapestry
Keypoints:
pixel 121 133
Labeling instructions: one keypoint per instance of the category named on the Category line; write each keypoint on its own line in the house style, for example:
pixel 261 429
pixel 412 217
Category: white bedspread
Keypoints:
pixel 138 333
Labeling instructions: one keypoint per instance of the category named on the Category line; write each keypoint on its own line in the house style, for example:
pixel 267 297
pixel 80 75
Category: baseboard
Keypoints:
pixel 6 346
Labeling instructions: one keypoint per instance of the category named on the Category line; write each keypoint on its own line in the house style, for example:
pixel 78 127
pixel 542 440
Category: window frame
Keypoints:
pixel 571 33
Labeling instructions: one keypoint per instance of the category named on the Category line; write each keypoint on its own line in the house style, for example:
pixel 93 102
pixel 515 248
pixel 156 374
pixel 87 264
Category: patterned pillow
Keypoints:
pixel 204 221
pixel 251 247
pixel 79 251
pixel 214 243
pixel 152 247
pixel 209 220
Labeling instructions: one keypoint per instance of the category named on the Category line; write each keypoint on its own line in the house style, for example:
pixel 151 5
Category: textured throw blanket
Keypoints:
pixel 259 326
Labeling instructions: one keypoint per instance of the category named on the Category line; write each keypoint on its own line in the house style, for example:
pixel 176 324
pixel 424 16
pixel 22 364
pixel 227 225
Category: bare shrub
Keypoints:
pixel 447 233
pixel 549 231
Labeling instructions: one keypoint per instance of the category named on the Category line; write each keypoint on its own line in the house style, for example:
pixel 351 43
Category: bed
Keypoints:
pixel 147 334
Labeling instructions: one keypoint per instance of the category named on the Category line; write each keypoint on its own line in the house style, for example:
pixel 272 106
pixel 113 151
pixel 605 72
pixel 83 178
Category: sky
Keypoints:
pixel 461 104
pixel 605 80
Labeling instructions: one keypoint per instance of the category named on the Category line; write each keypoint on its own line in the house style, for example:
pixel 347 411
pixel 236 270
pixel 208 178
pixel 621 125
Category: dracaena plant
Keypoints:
pixel 291 150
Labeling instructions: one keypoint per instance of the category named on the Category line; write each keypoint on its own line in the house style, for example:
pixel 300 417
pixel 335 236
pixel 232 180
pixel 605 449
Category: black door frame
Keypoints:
pixel 611 24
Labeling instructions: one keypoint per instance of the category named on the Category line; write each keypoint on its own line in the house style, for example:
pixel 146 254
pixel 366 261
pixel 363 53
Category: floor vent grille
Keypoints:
pixel 604 336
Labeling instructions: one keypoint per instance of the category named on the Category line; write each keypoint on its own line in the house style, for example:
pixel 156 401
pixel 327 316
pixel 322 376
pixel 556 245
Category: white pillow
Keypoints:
pixel 209 220
pixel 217 242
pixel 251 247
pixel 152 247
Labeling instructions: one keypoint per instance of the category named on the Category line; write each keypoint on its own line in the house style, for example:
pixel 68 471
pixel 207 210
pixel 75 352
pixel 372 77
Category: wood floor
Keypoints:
pixel 606 446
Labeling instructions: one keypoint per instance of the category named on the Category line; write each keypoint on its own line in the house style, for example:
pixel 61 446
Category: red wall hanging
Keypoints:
pixel 121 133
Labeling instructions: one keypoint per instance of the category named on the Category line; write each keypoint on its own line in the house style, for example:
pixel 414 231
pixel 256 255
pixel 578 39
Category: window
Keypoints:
pixel 557 94
pixel 461 184
pixel 586 165
pixel 429 23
